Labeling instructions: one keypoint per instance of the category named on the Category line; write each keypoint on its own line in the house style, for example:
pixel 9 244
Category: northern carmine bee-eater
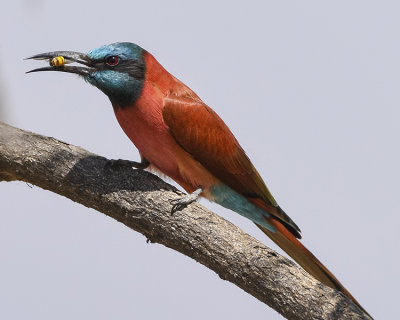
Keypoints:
pixel 178 134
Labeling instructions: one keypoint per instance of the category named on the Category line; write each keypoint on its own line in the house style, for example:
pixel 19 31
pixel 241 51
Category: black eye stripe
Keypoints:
pixel 134 68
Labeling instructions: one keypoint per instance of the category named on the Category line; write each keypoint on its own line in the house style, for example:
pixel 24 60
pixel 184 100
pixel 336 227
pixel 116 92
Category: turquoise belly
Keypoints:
pixel 228 198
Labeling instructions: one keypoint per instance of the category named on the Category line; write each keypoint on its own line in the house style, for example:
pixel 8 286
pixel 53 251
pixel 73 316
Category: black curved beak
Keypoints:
pixel 70 57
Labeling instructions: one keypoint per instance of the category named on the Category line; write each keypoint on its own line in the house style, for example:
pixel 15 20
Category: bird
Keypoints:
pixel 177 134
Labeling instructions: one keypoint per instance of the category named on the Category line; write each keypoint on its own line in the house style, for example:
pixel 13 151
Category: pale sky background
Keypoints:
pixel 311 91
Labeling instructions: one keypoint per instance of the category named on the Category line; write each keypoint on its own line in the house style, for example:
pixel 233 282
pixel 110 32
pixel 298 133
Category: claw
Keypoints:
pixel 127 163
pixel 182 202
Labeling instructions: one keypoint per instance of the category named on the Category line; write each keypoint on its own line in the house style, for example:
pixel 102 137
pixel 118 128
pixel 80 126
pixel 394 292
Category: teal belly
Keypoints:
pixel 228 198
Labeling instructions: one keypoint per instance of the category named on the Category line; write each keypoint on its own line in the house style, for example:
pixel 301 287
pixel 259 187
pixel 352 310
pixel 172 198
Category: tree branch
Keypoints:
pixel 140 200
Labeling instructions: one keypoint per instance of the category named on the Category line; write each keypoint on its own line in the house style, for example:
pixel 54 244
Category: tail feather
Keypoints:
pixel 295 249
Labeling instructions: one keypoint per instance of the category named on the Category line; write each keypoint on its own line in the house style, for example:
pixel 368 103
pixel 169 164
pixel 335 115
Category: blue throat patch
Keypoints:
pixel 122 89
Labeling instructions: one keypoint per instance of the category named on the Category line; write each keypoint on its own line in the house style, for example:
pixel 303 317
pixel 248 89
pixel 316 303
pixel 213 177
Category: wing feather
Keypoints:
pixel 203 134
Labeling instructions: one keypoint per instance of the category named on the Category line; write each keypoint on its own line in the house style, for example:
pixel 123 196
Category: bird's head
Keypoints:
pixel 117 69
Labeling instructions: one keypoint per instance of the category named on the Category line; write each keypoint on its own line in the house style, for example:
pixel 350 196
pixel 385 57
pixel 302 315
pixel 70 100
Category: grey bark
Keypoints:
pixel 140 200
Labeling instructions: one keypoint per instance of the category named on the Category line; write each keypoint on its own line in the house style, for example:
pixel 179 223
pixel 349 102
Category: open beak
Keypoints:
pixel 69 57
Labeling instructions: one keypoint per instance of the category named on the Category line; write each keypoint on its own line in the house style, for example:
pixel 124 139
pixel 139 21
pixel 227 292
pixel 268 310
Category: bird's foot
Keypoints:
pixel 127 163
pixel 180 203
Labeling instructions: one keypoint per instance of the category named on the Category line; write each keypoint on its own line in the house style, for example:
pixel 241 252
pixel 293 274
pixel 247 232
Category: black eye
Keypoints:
pixel 112 60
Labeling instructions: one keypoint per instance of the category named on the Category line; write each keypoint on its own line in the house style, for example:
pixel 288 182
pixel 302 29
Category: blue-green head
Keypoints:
pixel 117 69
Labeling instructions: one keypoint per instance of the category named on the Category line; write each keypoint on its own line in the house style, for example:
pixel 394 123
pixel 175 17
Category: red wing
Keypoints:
pixel 202 133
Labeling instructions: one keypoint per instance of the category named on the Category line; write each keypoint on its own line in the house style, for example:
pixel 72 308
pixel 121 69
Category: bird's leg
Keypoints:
pixel 186 200
pixel 128 163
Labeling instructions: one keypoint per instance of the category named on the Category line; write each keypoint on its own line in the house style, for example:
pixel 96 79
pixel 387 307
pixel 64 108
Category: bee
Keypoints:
pixel 57 61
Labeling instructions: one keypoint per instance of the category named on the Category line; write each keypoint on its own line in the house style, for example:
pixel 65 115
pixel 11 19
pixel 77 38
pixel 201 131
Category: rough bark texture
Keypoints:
pixel 140 200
